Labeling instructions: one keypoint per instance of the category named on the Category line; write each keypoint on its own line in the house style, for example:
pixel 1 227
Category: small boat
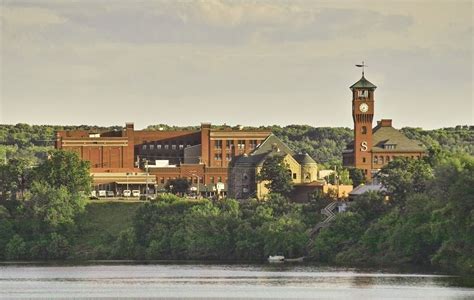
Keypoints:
pixel 299 259
pixel 276 258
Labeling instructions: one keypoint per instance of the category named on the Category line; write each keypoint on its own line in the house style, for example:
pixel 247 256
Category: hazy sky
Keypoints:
pixel 234 62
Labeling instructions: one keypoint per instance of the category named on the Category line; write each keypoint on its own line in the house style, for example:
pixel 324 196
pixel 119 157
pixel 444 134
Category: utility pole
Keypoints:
pixel 146 168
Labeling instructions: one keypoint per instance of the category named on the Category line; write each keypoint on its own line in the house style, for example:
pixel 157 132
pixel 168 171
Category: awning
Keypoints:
pixel 136 182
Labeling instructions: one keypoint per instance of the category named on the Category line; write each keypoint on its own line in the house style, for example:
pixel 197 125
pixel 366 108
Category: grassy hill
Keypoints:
pixel 100 225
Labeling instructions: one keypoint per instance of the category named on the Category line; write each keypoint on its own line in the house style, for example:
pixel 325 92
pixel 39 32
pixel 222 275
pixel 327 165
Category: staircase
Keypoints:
pixel 330 215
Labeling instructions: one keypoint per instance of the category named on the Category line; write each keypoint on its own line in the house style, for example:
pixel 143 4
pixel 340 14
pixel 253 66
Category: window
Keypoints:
pixel 363 94
pixel 389 146
pixel 381 160
pixel 219 179
pixel 158 147
pixel 144 146
pixel 363 159
pixel 167 146
pixel 152 146
pixel 181 146
pixel 211 179
pixel 229 144
pixel 162 180
pixel 245 177
pixel 218 144
pixel 388 158
pixel 364 129
pixel 173 147
pixel 376 159
pixel 294 175
pixel 253 144
pixel 228 157
pixel 218 156
pixel 241 144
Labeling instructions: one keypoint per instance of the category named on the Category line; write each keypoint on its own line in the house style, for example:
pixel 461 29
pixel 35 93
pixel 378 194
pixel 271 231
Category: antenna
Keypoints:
pixel 363 65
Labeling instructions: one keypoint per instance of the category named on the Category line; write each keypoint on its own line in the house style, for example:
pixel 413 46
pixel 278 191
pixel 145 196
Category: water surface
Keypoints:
pixel 204 281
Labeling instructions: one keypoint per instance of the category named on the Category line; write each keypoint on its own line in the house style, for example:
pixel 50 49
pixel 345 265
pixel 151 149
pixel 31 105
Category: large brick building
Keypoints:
pixel 129 158
pixel 373 148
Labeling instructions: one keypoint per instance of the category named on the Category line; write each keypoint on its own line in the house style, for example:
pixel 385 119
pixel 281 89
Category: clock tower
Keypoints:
pixel 363 114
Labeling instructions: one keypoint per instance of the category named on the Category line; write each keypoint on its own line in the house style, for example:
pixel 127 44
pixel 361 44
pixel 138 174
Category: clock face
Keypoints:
pixel 364 107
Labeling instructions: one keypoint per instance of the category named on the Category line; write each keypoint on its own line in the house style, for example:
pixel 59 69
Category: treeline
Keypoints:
pixel 427 220
pixel 324 144
pixel 39 206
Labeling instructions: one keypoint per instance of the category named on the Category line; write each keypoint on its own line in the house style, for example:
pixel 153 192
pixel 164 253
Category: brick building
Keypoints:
pixel 373 148
pixel 129 158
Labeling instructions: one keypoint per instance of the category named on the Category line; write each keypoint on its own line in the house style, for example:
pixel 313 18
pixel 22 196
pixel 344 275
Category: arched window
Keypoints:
pixel 364 129
pixel 381 160
pixel 376 159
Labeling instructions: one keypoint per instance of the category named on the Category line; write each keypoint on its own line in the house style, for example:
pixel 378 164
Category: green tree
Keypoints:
pixel 64 168
pixel 278 175
pixel 177 186
pixel 16 248
pixel 54 206
pixel 14 179
pixel 357 176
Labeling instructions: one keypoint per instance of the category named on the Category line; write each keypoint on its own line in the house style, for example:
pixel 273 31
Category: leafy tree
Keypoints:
pixel 278 175
pixel 64 168
pixel 404 176
pixel 16 248
pixel 54 207
pixel 177 186
pixel 14 179
pixel 357 176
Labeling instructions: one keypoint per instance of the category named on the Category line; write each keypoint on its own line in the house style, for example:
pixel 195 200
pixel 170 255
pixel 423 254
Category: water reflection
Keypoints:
pixel 222 281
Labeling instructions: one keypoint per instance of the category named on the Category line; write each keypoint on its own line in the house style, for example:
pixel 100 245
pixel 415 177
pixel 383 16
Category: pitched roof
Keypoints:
pixel 363 83
pixel 365 188
pixel 270 145
pixel 304 159
pixel 387 135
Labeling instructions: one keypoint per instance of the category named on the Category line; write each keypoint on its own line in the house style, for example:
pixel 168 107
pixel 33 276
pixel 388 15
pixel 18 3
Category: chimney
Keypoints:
pixel 385 123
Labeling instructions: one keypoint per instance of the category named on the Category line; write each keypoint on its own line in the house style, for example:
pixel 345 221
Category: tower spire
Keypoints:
pixel 363 65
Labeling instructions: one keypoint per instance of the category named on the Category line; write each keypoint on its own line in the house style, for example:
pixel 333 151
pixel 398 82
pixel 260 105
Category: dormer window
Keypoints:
pixel 389 146
pixel 363 93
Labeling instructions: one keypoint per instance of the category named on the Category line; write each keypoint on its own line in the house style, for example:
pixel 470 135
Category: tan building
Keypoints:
pixel 243 183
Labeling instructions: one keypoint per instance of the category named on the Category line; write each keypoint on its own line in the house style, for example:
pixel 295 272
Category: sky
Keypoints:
pixel 234 62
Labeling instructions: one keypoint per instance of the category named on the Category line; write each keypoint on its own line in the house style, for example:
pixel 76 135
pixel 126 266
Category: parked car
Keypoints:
pixel 110 194
pixel 93 195
pixel 127 193
pixel 102 193
pixel 135 193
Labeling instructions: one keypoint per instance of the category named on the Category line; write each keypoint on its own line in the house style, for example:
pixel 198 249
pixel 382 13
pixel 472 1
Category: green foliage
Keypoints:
pixel 16 248
pixel 64 168
pixel 278 175
pixel 428 220
pixel 54 206
pixel 177 186
pixel 357 176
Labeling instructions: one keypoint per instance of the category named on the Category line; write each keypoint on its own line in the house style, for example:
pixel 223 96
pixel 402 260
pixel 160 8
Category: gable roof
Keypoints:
pixel 267 147
pixel 387 135
pixel 363 83
pixel 304 159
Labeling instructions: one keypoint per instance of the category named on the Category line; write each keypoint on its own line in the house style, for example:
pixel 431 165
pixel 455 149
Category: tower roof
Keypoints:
pixel 363 84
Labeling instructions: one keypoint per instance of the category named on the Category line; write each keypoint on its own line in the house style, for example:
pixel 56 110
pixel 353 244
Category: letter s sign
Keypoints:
pixel 363 146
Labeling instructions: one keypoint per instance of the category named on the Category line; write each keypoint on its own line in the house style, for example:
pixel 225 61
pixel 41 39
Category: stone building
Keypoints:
pixel 243 171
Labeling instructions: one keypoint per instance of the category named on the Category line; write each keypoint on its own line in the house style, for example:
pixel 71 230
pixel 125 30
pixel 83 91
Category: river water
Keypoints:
pixel 220 281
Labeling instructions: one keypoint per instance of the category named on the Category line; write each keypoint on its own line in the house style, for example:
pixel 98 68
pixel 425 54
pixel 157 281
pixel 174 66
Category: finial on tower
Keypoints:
pixel 363 65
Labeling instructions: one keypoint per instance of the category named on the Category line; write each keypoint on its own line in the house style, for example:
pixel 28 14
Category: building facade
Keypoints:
pixel 118 158
pixel 372 148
